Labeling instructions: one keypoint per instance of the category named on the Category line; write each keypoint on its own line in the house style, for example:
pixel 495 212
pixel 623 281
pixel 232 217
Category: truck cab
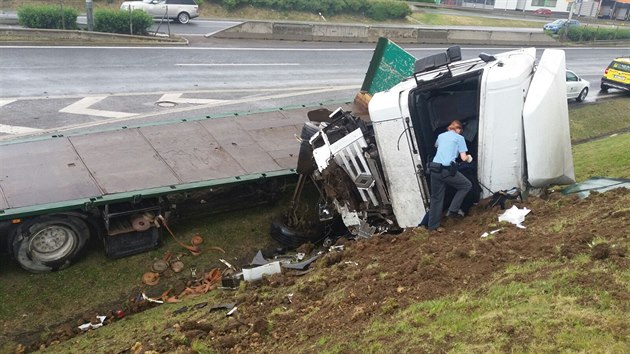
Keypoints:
pixel 515 116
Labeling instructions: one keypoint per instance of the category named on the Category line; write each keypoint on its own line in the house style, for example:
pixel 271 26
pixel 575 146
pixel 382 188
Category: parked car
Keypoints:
pixel 576 87
pixel 179 10
pixel 543 12
pixel 559 24
pixel 617 75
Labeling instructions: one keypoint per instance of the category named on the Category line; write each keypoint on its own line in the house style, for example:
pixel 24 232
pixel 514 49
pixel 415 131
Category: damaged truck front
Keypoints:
pixel 370 171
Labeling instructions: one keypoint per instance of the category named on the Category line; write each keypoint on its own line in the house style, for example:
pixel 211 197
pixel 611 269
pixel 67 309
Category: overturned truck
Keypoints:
pixel 371 170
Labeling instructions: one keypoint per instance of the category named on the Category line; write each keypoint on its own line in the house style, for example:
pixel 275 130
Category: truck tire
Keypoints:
pixel 50 243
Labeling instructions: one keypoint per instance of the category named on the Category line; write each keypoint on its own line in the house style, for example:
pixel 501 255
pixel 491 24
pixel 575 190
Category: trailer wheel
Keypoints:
pixel 50 243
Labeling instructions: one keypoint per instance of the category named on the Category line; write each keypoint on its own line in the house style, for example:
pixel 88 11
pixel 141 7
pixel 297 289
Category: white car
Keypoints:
pixel 576 87
pixel 179 10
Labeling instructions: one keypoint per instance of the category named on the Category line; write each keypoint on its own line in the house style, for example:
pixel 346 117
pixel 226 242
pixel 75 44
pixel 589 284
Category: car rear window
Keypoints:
pixel 182 2
pixel 620 66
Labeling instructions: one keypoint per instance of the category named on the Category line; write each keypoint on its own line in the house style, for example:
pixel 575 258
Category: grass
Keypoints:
pixel 435 19
pixel 510 316
pixel 513 316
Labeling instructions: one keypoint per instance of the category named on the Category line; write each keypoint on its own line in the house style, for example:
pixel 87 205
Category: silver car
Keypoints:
pixel 179 10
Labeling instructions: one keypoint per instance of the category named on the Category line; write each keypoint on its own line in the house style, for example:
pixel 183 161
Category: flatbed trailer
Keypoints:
pixel 58 191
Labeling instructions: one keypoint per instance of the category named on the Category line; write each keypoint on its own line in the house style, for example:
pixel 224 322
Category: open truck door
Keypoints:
pixel 546 124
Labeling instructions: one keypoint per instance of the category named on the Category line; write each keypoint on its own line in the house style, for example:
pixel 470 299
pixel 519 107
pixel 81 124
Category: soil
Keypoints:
pixel 351 286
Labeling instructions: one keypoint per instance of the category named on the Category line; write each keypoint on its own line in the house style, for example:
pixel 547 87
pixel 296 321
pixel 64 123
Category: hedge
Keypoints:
pixel 375 9
pixel 592 33
pixel 47 16
pixel 117 21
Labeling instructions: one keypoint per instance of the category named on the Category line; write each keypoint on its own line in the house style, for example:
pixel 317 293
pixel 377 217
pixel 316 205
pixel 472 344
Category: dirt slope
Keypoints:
pixel 345 291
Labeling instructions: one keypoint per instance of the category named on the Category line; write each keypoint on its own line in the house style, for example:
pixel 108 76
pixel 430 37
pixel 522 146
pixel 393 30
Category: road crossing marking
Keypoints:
pixel 14 129
pixel 6 102
pixel 177 98
pixel 82 106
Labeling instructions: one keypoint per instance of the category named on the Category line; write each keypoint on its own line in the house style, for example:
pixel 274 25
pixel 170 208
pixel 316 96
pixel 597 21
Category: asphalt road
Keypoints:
pixel 47 88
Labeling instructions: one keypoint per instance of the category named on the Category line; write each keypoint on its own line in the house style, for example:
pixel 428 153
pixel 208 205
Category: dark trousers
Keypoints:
pixel 439 181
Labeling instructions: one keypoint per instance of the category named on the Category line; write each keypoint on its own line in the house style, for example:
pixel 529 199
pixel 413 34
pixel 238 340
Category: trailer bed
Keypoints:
pixel 66 172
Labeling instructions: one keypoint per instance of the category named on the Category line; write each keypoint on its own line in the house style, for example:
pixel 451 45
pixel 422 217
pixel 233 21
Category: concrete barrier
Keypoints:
pixel 247 30
pixel 437 36
pixel 292 31
pixel 47 35
pixel 364 33
pixel 340 33
pixel 396 34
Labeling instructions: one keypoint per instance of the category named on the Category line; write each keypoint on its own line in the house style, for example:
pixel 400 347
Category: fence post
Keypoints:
pixel 90 18
pixel 63 20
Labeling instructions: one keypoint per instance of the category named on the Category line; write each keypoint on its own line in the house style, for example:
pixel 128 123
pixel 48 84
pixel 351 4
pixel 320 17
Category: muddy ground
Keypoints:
pixel 345 290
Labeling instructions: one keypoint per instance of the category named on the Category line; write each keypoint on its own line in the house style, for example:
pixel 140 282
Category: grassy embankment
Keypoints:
pixel 29 301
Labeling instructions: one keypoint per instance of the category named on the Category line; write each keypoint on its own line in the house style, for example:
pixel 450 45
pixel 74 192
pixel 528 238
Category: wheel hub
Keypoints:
pixel 51 243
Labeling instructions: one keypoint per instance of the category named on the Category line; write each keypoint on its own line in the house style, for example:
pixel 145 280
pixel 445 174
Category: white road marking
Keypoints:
pixel 83 107
pixel 176 97
pixel 292 93
pixel 240 64
pixel 6 102
pixel 13 129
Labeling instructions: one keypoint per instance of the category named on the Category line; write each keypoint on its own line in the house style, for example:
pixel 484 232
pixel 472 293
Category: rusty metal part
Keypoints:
pixel 140 223
pixel 150 278
pixel 196 240
pixel 159 266
pixel 177 266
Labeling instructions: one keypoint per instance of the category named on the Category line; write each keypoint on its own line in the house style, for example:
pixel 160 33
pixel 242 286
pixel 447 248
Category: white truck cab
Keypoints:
pixel 515 116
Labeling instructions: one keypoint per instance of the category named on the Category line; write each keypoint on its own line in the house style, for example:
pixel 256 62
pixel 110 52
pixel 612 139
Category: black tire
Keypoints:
pixel 604 87
pixel 291 238
pixel 183 18
pixel 50 243
pixel 582 95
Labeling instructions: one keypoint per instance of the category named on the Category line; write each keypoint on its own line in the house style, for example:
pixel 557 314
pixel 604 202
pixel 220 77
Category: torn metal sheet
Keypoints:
pixel 259 259
pixel 599 184
pixel 301 265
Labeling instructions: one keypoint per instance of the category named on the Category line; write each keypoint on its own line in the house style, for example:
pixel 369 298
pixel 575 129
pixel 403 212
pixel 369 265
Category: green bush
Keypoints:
pixel 593 33
pixel 117 21
pixel 47 16
pixel 383 9
pixel 376 9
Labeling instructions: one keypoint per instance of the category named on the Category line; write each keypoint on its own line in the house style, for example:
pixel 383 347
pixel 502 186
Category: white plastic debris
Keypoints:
pixel 515 216
pixel 486 234
pixel 145 297
pixel 89 325
pixel 258 272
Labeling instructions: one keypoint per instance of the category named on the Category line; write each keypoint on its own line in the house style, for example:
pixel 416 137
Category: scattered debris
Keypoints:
pixel 228 307
pixel 150 278
pixel 145 297
pixel 257 273
pixel 91 325
pixel 515 216
pixel 486 234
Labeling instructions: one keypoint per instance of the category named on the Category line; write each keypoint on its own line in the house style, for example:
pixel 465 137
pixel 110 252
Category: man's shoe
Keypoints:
pixel 439 229
pixel 458 215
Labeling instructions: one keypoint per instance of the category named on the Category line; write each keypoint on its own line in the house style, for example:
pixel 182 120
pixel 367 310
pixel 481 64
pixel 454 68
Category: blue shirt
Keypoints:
pixel 449 145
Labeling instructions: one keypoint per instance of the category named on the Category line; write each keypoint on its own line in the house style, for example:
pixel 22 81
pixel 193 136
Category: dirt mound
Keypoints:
pixel 345 290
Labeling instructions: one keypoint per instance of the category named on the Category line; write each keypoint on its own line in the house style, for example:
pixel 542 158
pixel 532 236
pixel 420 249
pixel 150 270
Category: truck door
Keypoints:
pixel 546 124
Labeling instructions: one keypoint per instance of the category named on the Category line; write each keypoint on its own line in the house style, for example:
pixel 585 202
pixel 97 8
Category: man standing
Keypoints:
pixel 450 144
